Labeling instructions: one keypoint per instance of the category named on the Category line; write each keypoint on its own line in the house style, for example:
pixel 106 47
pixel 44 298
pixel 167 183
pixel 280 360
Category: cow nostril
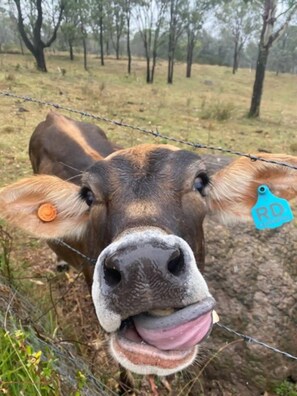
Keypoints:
pixel 112 275
pixel 176 264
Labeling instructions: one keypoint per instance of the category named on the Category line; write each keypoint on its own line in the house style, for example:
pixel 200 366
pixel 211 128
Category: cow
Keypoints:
pixel 138 213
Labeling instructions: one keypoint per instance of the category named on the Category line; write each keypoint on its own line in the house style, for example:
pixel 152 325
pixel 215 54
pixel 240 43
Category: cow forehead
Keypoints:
pixel 155 157
pixel 147 164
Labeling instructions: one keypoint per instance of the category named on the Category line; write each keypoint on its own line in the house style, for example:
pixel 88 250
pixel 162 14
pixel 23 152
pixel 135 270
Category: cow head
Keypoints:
pixel 140 211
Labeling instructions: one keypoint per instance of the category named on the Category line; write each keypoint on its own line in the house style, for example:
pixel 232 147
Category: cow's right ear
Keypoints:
pixel 234 189
pixel 45 206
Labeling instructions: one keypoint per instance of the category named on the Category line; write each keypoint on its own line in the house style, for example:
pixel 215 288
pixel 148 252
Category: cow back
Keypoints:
pixel 65 148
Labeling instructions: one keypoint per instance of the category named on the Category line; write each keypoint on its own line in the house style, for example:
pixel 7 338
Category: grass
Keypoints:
pixel 23 370
pixel 210 107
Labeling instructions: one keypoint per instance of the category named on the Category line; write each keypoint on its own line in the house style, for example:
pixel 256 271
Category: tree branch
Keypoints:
pixel 21 27
pixel 54 35
pixel 282 28
pixel 38 24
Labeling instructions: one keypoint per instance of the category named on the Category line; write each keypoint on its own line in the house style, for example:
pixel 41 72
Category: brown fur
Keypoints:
pixel 144 186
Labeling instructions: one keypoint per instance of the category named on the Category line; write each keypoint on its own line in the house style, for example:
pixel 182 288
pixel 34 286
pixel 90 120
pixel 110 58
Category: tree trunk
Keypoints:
pixel 170 70
pixel 40 59
pixel 117 48
pixel 148 70
pixel 259 81
pixel 235 58
pixel 21 45
pixel 128 45
pixel 101 38
pixel 190 50
pixel 153 67
pixel 85 53
pixel 172 32
pixel 71 56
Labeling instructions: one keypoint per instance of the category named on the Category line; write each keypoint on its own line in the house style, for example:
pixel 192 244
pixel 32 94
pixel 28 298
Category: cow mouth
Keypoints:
pixel 152 344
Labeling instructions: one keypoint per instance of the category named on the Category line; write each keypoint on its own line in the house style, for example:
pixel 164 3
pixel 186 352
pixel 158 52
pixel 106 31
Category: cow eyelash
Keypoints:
pixel 87 195
pixel 200 182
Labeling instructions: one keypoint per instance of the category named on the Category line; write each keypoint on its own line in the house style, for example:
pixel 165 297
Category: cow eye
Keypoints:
pixel 200 182
pixel 87 195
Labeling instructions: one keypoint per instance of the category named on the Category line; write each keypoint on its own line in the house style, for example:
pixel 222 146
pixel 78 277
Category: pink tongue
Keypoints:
pixel 180 337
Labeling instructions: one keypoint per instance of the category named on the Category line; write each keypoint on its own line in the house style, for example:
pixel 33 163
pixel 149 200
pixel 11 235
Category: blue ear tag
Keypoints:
pixel 270 211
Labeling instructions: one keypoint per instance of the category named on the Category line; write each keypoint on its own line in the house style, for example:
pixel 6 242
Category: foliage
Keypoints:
pixel 286 388
pixel 25 370
pixel 215 110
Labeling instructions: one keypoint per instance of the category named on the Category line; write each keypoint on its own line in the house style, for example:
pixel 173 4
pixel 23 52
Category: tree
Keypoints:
pixel 178 10
pixel 69 27
pixel 242 19
pixel 32 26
pixel 99 14
pixel 6 30
pixel 128 11
pixel 194 16
pixel 150 16
pixel 83 17
pixel 271 31
pixel 117 25
pixel 283 56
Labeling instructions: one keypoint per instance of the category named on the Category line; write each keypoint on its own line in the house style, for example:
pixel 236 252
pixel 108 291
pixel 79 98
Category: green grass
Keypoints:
pixel 210 107
pixel 23 370
pixel 286 388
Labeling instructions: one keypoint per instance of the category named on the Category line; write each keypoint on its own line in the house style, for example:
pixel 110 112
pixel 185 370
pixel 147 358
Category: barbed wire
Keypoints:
pixel 247 338
pixel 151 132
pixel 157 134
pixel 250 339
pixel 61 242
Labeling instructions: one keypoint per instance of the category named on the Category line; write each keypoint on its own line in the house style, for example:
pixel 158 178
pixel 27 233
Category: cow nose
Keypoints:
pixel 124 267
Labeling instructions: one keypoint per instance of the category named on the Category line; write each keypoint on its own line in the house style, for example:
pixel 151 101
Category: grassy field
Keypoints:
pixel 209 108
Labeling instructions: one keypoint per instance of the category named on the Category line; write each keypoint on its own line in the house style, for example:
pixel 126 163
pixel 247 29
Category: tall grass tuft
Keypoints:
pixel 215 110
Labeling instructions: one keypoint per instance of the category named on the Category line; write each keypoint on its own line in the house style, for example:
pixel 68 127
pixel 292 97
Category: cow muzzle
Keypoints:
pixel 149 293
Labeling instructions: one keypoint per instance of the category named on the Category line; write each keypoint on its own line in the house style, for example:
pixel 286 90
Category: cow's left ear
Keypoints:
pixel 45 206
pixel 234 189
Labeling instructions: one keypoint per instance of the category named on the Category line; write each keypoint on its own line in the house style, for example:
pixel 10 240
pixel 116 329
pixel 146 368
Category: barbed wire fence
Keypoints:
pixel 157 134
pixel 154 133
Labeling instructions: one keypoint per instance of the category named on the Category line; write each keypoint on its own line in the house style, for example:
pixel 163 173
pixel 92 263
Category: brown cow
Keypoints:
pixel 139 213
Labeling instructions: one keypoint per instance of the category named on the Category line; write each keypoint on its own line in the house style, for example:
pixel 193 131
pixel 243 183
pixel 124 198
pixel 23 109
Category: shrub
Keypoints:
pixel 215 110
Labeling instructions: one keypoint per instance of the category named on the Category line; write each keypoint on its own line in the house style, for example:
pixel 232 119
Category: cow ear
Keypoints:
pixel 45 206
pixel 234 189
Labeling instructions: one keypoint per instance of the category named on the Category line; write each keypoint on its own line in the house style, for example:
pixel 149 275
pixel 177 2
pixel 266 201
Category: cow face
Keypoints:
pixel 152 244
pixel 140 211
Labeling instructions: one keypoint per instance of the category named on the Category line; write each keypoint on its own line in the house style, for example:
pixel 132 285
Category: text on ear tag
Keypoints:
pixel 47 212
pixel 270 211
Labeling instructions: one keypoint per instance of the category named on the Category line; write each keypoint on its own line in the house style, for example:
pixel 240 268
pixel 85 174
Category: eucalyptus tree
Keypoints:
pixel 70 25
pixel 283 56
pixel 128 13
pixel 7 36
pixel 276 17
pixel 242 19
pixel 117 24
pixel 150 20
pixel 38 23
pixel 99 10
pixel 84 17
pixel 178 9
pixel 194 18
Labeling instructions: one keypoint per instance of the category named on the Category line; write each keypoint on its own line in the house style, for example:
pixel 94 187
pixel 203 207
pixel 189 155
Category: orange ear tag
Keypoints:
pixel 47 212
